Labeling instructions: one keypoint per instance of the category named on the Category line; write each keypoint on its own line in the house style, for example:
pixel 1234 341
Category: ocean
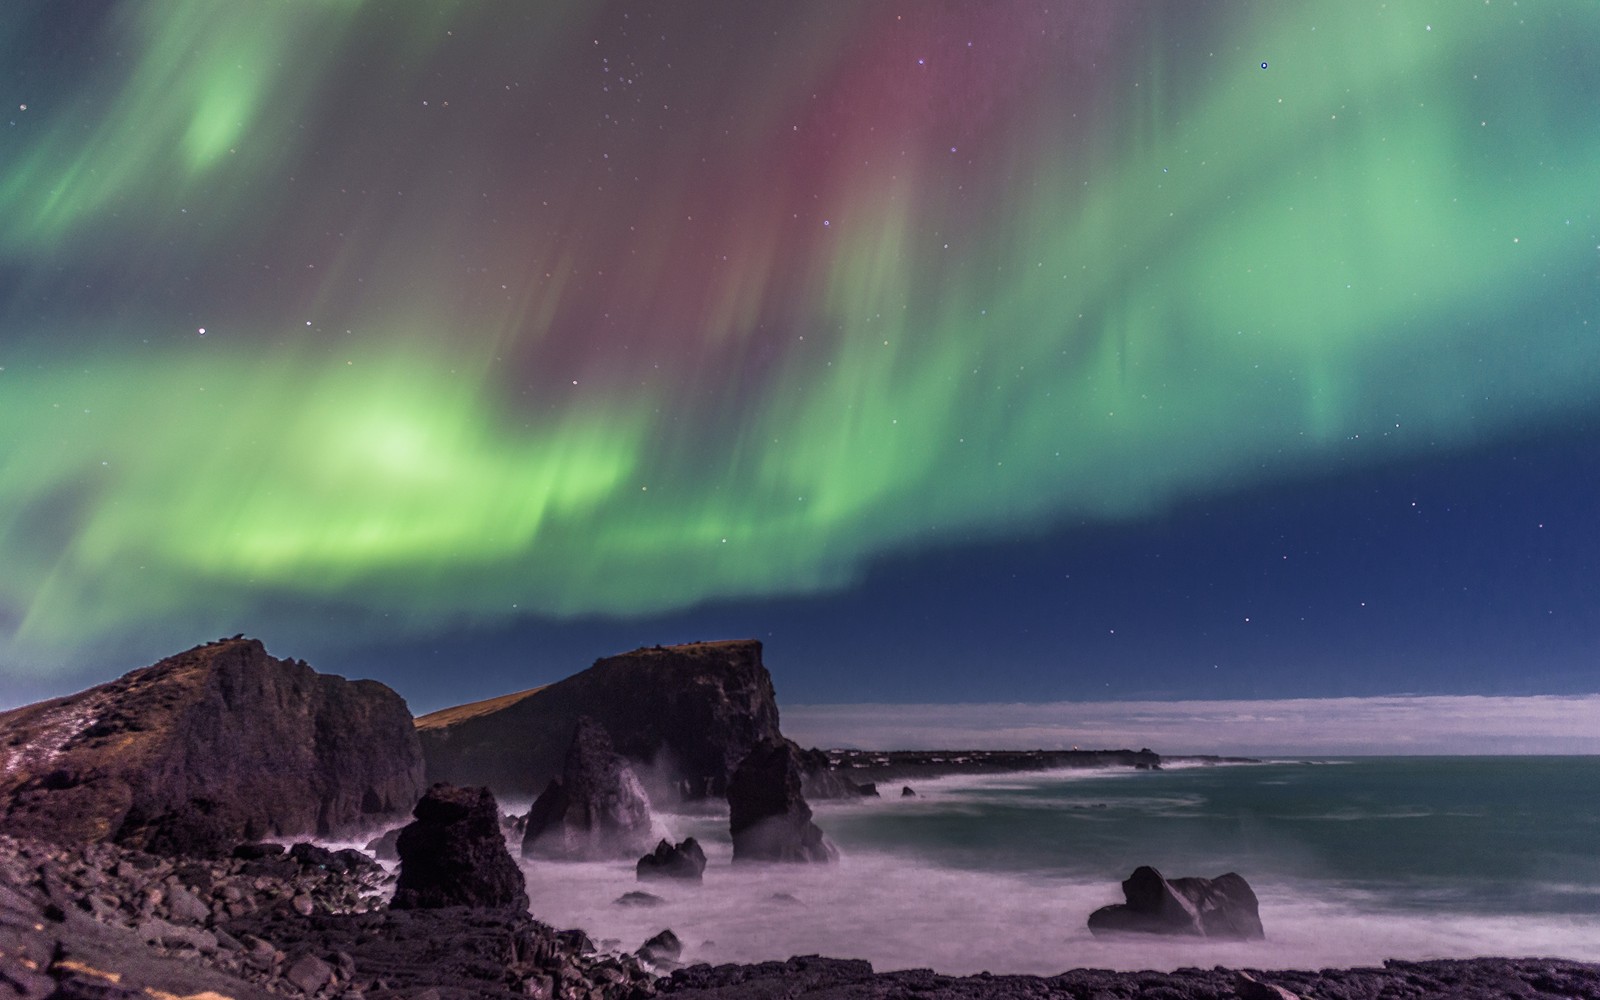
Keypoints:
pixel 1354 860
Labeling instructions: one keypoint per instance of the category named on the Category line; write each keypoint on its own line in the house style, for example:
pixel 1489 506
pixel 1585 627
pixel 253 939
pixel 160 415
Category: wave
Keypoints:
pixel 899 913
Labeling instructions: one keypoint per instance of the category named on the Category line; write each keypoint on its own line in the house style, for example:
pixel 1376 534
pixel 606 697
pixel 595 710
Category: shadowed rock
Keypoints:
pixel 767 814
pixel 663 949
pixel 1221 907
pixel 685 861
pixel 695 709
pixel 455 855
pixel 819 780
pixel 596 809
pixel 213 746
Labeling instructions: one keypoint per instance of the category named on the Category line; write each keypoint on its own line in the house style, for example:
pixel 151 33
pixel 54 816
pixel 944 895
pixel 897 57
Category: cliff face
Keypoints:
pixel 694 710
pixel 204 749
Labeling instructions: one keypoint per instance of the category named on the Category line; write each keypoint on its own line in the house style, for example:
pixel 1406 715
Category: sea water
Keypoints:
pixel 1353 860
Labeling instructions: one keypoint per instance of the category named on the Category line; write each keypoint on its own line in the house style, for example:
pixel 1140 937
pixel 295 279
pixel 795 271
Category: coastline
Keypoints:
pixel 115 924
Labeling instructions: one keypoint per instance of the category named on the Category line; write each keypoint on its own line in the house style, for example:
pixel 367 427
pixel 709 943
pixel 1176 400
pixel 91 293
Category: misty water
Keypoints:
pixel 1354 861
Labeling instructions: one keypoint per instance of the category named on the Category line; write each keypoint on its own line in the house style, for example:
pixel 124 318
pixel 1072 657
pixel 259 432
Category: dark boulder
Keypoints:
pixel 386 847
pixel 208 748
pixel 906 792
pixel 767 814
pixel 1221 907
pixel 256 852
pixel 455 855
pixel 663 949
pixel 338 862
pixel 693 711
pixel 684 861
pixel 596 809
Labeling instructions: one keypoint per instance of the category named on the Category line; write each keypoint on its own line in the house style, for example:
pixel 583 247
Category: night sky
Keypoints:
pixel 1033 350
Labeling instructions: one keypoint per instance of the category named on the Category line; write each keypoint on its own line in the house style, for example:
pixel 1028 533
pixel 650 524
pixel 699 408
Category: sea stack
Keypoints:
pixel 596 809
pixel 693 711
pixel 455 855
pixel 767 814
pixel 216 745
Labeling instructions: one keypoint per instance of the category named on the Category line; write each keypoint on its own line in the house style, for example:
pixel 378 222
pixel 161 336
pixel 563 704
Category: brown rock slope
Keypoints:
pixel 204 749
pixel 694 709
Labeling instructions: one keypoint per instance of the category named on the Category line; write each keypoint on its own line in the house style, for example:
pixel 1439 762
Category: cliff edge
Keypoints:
pixel 207 748
pixel 692 711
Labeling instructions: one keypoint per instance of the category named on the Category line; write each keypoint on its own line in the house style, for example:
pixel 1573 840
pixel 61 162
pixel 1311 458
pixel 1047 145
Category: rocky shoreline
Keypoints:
pixel 104 922
pixel 813 978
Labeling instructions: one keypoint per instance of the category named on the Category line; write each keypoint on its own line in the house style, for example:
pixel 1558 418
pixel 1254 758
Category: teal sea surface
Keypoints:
pixel 1354 860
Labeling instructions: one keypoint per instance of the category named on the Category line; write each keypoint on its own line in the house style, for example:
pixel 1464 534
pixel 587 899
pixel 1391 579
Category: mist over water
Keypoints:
pixel 1353 862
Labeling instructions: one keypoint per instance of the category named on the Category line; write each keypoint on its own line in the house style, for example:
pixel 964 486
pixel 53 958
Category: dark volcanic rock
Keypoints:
pixel 387 846
pixel 596 809
pixel 694 710
pixel 685 861
pixel 1221 907
pixel 217 745
pixel 813 978
pixel 98 921
pixel 455 855
pixel 819 779
pixel 662 949
pixel 767 814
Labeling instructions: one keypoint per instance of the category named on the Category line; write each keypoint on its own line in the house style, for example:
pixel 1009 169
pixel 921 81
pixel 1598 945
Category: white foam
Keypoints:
pixel 900 914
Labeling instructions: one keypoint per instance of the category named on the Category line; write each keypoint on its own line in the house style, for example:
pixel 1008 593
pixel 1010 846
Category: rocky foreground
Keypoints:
pixel 814 978
pixel 105 922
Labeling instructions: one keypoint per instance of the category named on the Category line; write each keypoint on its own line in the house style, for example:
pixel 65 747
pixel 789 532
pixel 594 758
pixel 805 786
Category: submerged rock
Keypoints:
pixel 216 745
pixel 663 949
pixel 1221 907
pixel 386 847
pixel 767 814
pixel 455 855
pixel 597 808
pixel 684 861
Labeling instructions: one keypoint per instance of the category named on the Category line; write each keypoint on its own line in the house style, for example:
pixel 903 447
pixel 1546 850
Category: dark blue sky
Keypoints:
pixel 1468 572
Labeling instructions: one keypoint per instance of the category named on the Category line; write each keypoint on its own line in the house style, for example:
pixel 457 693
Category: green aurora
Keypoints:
pixel 483 340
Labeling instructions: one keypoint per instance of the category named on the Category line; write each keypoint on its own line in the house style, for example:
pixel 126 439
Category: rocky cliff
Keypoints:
pixel 693 711
pixel 204 749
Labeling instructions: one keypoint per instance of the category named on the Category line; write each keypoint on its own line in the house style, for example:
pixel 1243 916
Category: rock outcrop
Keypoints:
pixel 693 711
pixel 767 814
pixel 1221 907
pixel 820 780
pixel 596 809
pixel 101 921
pixel 684 861
pixel 455 855
pixel 215 745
